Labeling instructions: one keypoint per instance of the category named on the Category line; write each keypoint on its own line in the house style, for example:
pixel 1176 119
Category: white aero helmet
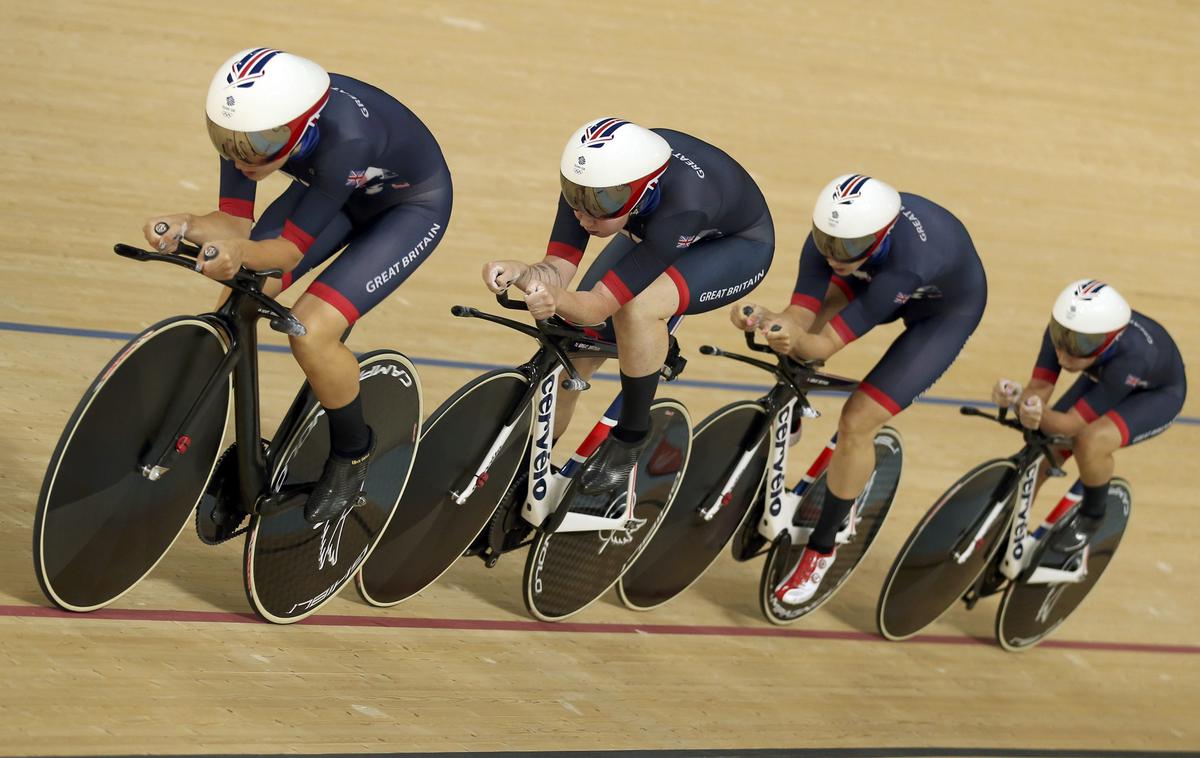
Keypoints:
pixel 609 165
pixel 1087 317
pixel 260 102
pixel 852 217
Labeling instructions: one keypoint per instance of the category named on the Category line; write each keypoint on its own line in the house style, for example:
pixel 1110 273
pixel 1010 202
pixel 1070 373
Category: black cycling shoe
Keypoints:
pixel 340 486
pixel 1075 534
pixel 608 470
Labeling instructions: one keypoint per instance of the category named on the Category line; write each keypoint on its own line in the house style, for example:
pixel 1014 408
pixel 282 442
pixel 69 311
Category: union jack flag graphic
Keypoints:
pixel 1088 289
pixel 601 132
pixel 357 179
pixel 250 67
pixel 849 189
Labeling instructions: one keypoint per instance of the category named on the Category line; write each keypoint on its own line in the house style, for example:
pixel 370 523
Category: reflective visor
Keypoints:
pixel 266 145
pixel 255 148
pixel 1078 344
pixel 597 202
pixel 609 202
pixel 849 250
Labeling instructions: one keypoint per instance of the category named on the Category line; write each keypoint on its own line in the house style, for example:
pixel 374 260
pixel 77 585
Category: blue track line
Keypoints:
pixel 64 331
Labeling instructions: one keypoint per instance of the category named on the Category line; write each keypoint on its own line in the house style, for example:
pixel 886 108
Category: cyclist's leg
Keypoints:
pixel 1134 419
pixel 710 275
pixel 918 357
pixel 615 250
pixel 379 257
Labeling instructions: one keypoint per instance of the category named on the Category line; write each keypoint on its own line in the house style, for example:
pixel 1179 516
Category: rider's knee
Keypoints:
pixel 317 340
pixel 859 420
pixel 1097 439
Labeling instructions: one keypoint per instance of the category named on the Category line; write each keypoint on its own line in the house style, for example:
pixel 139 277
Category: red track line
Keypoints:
pixel 494 625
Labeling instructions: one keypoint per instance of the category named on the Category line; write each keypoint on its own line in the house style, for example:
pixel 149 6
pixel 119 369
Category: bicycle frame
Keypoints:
pixel 788 397
pixel 1022 486
pixel 237 318
pixel 545 369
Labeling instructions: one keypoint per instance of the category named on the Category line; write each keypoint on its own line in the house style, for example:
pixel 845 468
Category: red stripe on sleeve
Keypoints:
pixel 807 302
pixel 685 295
pixel 237 207
pixel 1045 374
pixel 880 397
pixel 336 299
pixel 1121 426
pixel 297 236
pixel 565 251
pixel 617 287
pixel 1085 410
pixel 845 332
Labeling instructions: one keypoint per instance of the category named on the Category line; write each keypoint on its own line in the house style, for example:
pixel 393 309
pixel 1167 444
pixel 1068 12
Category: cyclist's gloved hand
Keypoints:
pixel 165 232
pixel 778 333
pixel 1030 412
pixel 541 301
pixel 221 260
pixel 500 275
pixel 1005 393
pixel 745 316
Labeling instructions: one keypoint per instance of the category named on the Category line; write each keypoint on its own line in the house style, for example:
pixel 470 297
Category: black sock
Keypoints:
pixel 348 432
pixel 1094 500
pixel 833 512
pixel 637 393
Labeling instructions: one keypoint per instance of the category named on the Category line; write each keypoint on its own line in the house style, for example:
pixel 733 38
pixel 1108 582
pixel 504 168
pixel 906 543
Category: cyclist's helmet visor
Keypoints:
pixel 260 147
pixel 850 250
pixel 1079 344
pixel 609 202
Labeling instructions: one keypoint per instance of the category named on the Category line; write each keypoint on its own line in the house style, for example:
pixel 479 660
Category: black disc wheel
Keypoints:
pixel 567 571
pixel 875 502
pixel 926 579
pixel 1029 612
pixel 430 530
pixel 293 567
pixel 101 524
pixel 686 544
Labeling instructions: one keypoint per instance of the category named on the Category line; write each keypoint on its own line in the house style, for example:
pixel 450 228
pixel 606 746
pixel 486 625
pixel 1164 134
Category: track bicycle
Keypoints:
pixel 143 449
pixel 485 485
pixel 735 489
pixel 976 541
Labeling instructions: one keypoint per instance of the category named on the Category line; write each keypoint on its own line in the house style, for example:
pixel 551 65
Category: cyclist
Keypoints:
pixel 690 232
pixel 367 175
pixel 875 255
pixel 1131 388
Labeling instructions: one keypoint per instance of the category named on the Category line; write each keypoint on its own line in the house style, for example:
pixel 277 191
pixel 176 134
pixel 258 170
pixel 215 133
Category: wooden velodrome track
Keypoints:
pixel 1063 135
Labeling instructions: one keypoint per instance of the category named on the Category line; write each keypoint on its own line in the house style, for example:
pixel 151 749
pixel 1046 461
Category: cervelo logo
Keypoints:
pixel 775 490
pixel 601 133
pixel 250 67
pixel 1022 525
pixel 541 455
pixel 390 370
